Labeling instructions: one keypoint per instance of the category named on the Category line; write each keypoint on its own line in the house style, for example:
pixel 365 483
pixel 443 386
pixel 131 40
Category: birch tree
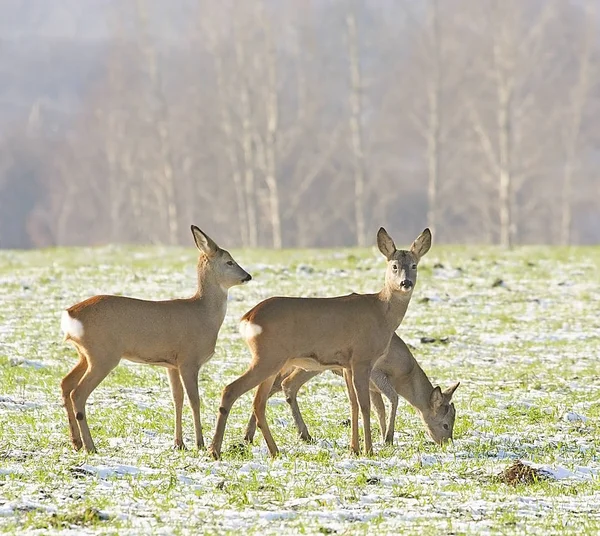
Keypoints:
pixel 576 107
pixel 166 177
pixel 355 123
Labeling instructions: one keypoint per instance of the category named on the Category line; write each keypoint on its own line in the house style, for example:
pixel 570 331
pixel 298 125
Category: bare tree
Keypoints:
pixel 518 62
pixel 572 126
pixel 246 132
pixel 166 174
pixel 272 127
pixel 227 128
pixel 356 128
pixel 434 116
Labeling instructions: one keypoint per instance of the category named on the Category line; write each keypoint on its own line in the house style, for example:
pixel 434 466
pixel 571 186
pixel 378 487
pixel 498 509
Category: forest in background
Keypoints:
pixel 299 123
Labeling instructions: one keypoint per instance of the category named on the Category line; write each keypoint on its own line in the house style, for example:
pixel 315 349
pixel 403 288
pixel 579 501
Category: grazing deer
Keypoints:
pixel 177 334
pixel 396 373
pixel 348 332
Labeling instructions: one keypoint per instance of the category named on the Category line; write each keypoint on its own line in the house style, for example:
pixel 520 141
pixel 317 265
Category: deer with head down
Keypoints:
pixel 395 374
pixel 178 334
pixel 345 332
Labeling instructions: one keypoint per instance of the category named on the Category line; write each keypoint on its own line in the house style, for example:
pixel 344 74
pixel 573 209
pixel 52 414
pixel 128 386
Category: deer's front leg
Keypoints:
pixel 377 401
pixel 383 384
pixel 177 394
pixel 361 379
pixel 354 443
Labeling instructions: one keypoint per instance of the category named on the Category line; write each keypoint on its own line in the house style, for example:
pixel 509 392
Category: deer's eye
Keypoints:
pixel 395 267
pixel 414 266
pixel 229 263
pixel 445 427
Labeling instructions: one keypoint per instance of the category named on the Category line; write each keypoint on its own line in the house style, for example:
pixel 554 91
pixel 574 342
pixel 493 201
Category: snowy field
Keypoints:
pixel 523 338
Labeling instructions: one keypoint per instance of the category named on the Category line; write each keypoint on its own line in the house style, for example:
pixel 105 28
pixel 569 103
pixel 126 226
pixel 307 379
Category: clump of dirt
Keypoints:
pixel 519 473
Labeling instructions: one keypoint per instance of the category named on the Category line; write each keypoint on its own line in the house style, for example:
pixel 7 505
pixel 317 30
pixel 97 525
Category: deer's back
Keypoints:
pixel 329 330
pixel 146 328
pixel 398 360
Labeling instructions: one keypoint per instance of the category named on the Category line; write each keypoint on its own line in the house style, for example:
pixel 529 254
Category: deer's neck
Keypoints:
pixel 416 389
pixel 210 294
pixel 395 305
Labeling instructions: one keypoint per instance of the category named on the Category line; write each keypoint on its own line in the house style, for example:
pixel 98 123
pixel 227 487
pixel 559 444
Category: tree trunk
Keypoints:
pixel 166 174
pixel 249 182
pixel 579 95
pixel 272 110
pixel 505 177
pixel 356 128
pixel 434 127
pixel 232 156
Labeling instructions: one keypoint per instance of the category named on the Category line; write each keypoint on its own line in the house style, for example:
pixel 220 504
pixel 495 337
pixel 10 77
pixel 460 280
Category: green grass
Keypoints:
pixel 526 354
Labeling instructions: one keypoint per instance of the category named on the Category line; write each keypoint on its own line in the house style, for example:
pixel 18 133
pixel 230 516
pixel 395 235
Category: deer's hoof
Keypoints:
pixel 307 438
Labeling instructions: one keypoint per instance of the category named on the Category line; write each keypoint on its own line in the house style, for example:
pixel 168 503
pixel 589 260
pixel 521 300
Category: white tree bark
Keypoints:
pixel 246 141
pixel 356 131
pixel 572 131
pixel 272 112
pixel 166 174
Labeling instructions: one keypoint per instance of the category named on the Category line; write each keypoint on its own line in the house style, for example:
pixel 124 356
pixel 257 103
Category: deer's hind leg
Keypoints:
pixel 251 426
pixel 259 371
pixel 291 385
pixel 68 383
pixel 99 365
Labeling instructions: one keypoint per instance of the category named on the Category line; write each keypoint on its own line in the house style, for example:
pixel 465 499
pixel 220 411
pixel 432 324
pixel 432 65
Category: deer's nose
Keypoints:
pixel 247 278
pixel 407 284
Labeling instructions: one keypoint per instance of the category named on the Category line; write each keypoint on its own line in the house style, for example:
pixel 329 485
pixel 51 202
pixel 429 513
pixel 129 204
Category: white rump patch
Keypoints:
pixel 71 326
pixel 249 330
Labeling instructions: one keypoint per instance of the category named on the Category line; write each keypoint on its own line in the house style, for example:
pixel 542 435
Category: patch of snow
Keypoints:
pixel 571 416
pixel 6 510
pixel 9 403
pixel 105 471
pixel 253 467
pixel 562 473
pixel 27 363
pixel 275 516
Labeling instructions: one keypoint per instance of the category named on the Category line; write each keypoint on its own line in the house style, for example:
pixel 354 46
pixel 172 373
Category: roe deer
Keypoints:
pixel 178 334
pixel 348 332
pixel 396 373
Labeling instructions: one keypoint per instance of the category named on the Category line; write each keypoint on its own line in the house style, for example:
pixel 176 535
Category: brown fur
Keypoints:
pixel 396 373
pixel 349 332
pixel 178 334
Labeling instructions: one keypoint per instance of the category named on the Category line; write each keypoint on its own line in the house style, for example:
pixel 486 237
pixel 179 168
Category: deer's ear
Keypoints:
pixel 385 243
pixel 450 391
pixel 421 244
pixel 204 242
pixel 436 399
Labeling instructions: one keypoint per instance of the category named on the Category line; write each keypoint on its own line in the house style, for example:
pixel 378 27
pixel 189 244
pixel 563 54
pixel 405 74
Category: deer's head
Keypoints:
pixel 221 264
pixel 401 274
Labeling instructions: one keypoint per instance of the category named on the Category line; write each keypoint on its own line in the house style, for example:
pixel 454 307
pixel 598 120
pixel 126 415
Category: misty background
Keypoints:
pixel 298 123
